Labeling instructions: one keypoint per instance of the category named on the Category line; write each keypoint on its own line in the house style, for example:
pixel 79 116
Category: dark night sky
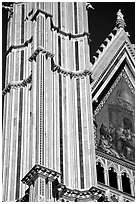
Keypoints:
pixel 101 22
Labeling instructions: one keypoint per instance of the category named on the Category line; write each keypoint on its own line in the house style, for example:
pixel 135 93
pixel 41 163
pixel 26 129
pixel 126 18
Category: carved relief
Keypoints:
pixel 118 142
pixel 116 134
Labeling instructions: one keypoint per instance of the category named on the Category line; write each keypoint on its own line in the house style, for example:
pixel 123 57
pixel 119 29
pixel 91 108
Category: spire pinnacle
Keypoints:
pixel 120 23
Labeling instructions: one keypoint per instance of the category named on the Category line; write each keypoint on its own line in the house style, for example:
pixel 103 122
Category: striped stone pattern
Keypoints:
pixel 52 123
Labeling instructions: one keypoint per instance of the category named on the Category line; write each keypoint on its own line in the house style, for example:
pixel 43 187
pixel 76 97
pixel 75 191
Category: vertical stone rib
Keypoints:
pixel 90 136
pixel 12 152
pixel 34 90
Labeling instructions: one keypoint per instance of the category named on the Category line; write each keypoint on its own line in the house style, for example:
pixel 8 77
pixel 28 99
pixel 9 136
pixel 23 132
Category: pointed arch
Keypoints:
pixel 125 178
pixel 100 172
pixel 113 177
pixel 99 159
pixel 112 165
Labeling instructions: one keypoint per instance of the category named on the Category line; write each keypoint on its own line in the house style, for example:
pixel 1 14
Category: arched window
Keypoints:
pixel 126 183
pixel 113 178
pixel 100 172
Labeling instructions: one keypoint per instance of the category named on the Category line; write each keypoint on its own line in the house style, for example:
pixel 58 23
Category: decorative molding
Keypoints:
pixel 82 195
pixel 59 69
pixel 56 28
pixel 42 171
pixel 42 12
pixel 101 104
pixel 107 42
pixel 101 50
pixel 19 46
pixel 42 50
pixel 70 35
pixel 131 48
pixel 124 163
pixel 17 84
pixel 111 64
pixel 132 89
pixel 72 74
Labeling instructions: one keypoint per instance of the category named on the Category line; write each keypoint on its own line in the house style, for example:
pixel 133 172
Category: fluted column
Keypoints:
pixel 106 176
pixel 132 184
pixel 119 182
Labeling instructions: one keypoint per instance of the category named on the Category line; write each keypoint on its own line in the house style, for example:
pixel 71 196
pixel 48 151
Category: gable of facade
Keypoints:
pixel 113 94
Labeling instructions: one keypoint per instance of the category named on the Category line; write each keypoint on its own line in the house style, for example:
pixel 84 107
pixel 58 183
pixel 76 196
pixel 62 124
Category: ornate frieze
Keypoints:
pixel 17 84
pixel 19 46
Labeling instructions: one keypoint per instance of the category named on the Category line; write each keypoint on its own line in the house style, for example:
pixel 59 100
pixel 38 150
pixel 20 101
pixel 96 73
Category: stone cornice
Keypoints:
pixel 124 163
pixel 16 85
pixel 130 48
pixel 93 193
pixel 111 64
pixel 107 42
pixel 41 171
pixel 25 44
pixel 75 195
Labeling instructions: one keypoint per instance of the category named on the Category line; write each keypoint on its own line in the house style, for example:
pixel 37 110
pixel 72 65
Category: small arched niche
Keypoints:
pixel 126 183
pixel 113 178
pixel 100 172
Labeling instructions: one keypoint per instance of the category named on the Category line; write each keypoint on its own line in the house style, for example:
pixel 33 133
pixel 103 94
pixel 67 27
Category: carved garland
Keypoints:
pixel 43 51
pixel 56 28
pixel 19 46
pixel 123 73
pixel 72 74
pixel 59 69
pixel 17 84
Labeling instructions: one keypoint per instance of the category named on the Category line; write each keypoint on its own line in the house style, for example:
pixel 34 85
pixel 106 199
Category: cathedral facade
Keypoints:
pixel 68 124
